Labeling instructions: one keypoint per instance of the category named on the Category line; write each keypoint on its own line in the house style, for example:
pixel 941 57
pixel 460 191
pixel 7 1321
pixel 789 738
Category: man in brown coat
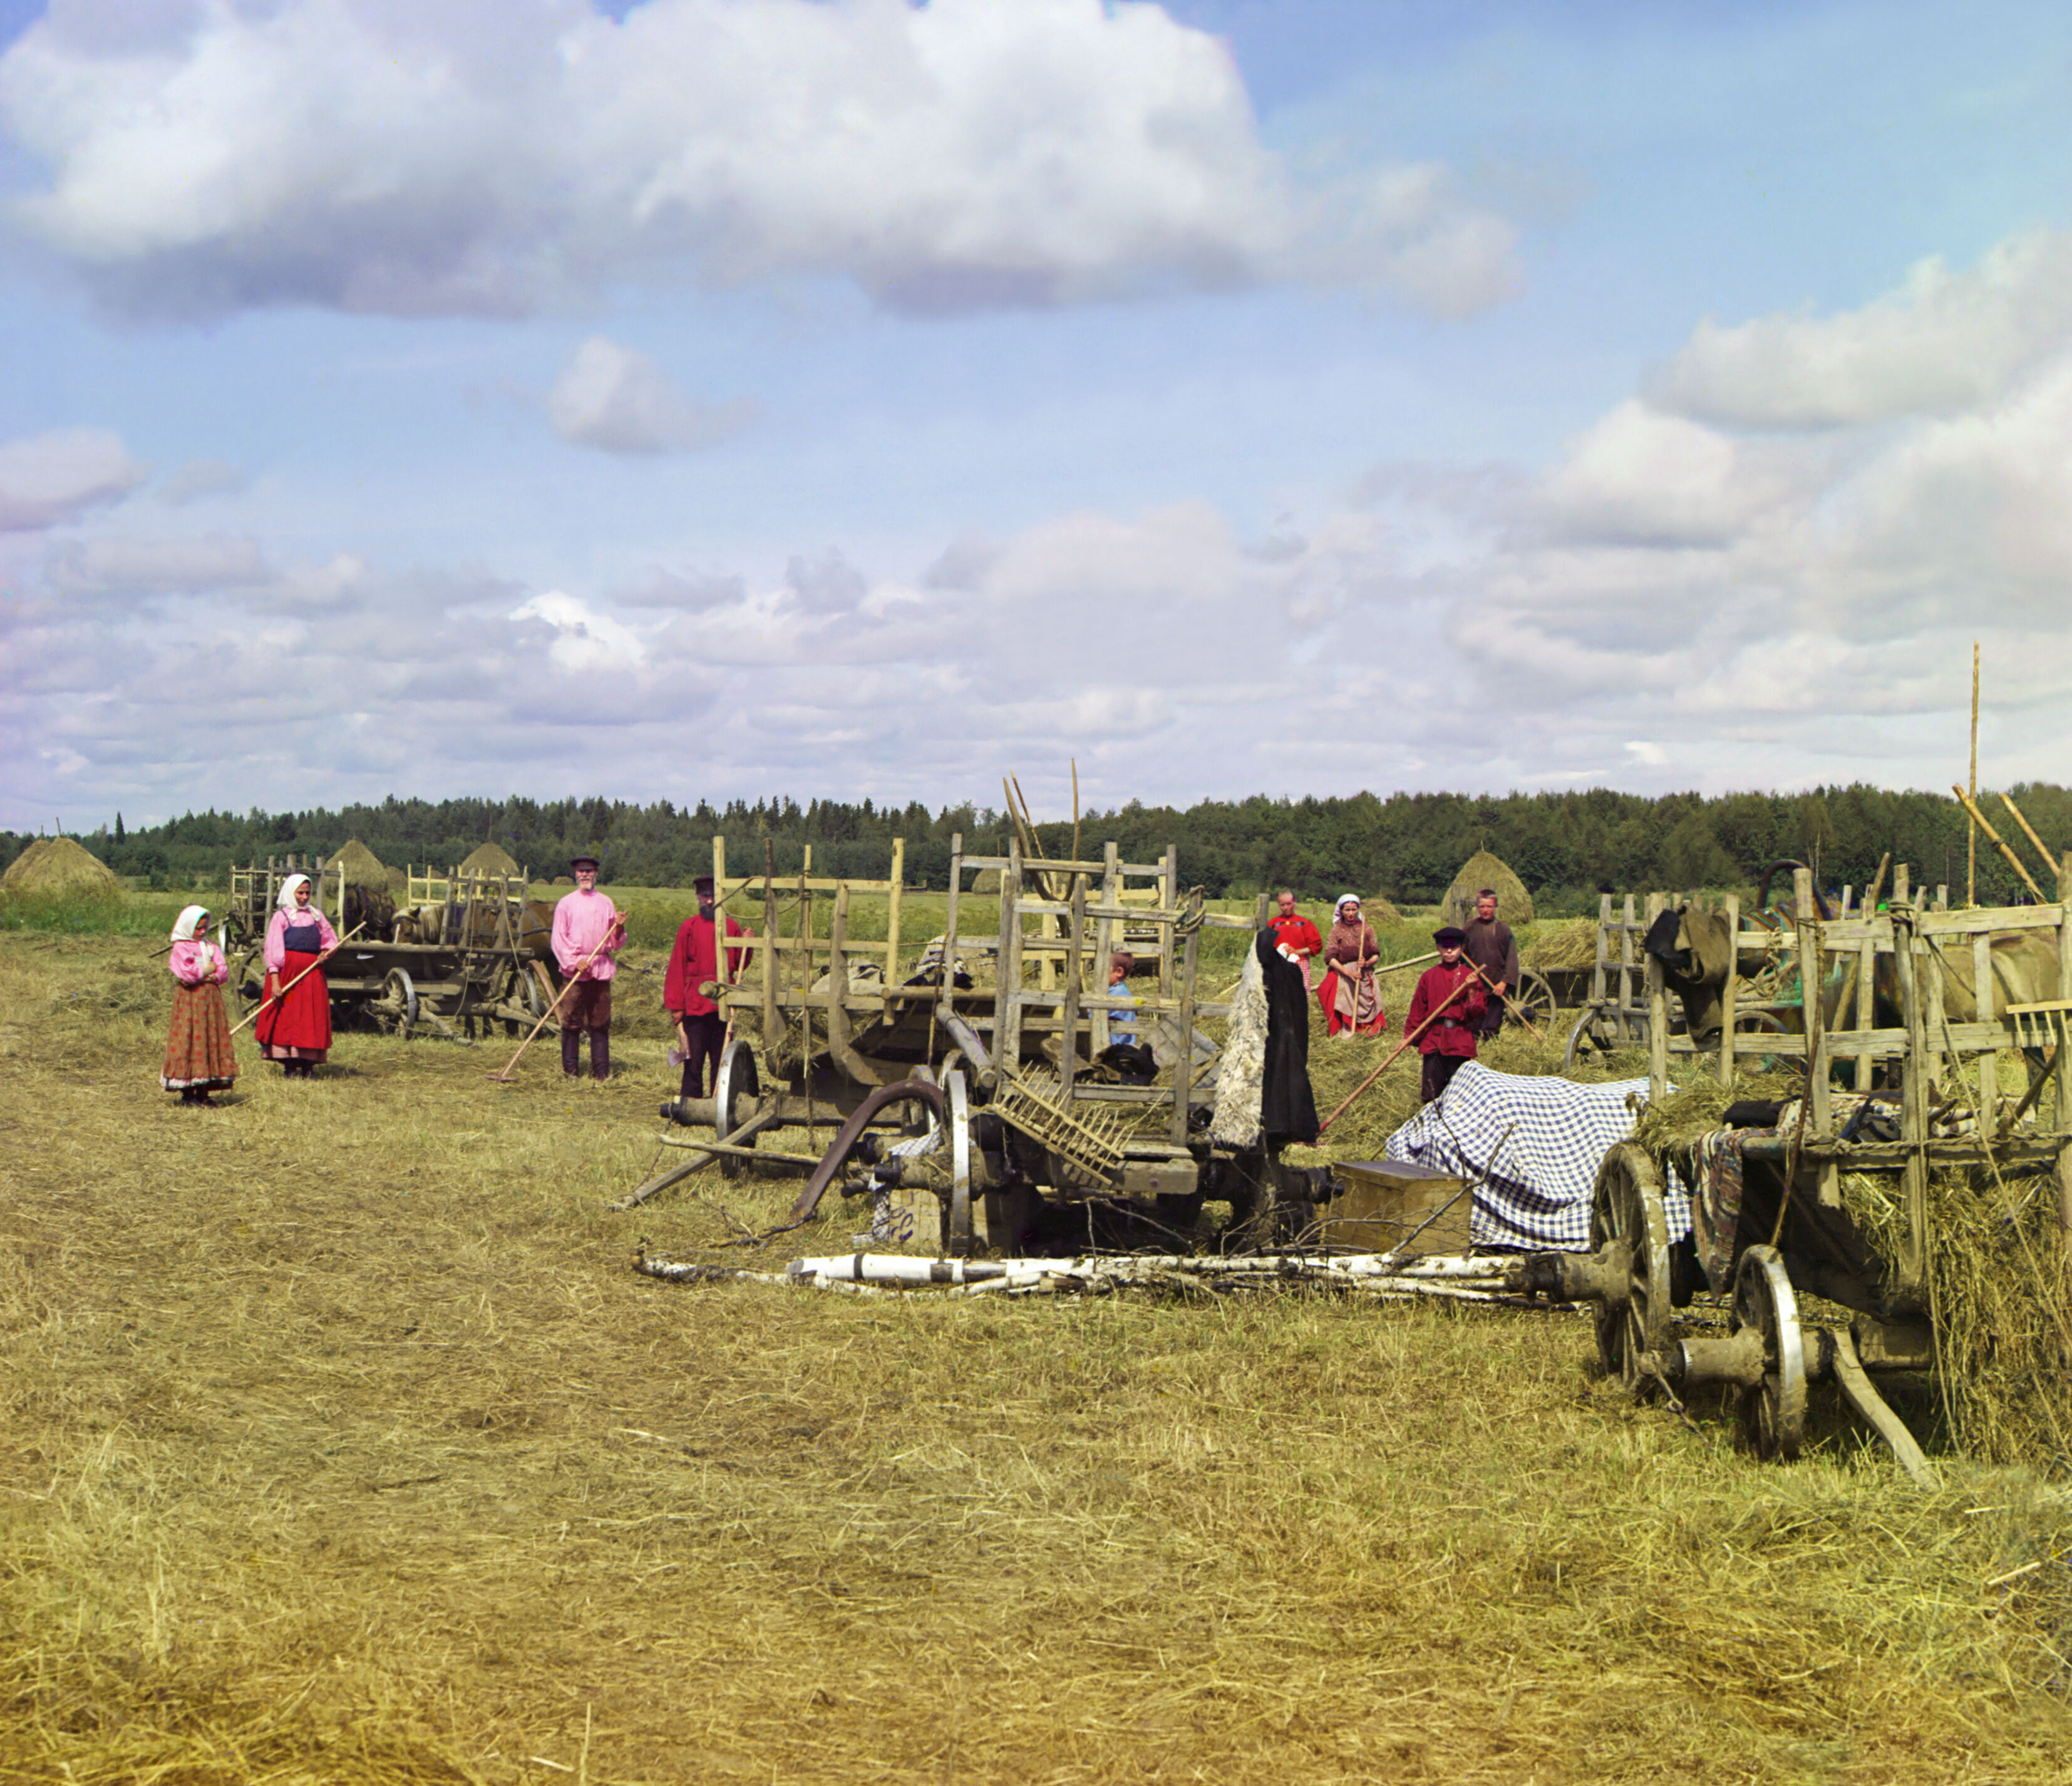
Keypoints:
pixel 1490 946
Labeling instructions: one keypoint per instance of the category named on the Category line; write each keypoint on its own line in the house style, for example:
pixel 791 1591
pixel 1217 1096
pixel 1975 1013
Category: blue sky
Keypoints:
pixel 713 397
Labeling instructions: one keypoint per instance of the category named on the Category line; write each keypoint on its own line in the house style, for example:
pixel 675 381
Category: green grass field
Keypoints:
pixel 339 1441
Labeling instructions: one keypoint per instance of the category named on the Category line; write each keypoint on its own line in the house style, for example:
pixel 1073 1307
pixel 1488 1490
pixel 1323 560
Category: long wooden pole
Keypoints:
pixel 1981 822
pixel 1407 1042
pixel 1971 852
pixel 618 924
pixel 1516 1009
pixel 2028 831
pixel 253 1015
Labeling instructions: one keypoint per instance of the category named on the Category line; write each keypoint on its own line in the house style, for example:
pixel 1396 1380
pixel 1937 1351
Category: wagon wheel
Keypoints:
pixel 1773 1412
pixel 736 1080
pixel 395 1011
pixel 1627 1223
pixel 1534 999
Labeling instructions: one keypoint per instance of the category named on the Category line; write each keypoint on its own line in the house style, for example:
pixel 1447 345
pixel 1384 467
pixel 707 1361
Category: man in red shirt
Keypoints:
pixel 701 1029
pixel 1451 1039
pixel 1297 934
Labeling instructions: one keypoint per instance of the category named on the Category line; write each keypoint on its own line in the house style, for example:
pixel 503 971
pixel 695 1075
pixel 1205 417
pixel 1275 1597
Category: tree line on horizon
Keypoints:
pixel 1566 847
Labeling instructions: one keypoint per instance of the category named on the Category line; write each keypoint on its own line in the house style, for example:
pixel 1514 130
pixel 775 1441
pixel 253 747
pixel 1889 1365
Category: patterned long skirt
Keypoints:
pixel 198 1055
pixel 297 1027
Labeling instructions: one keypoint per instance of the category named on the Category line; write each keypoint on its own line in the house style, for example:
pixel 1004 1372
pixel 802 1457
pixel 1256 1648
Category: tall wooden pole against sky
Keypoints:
pixel 1972 848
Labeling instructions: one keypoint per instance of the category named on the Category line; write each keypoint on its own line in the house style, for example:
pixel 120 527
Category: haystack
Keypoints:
pixel 363 867
pixel 491 859
pixel 57 865
pixel 1513 904
pixel 1562 947
pixel 399 881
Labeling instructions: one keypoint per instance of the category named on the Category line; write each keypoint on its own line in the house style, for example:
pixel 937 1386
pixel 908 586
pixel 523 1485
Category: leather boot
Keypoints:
pixel 600 1054
pixel 572 1053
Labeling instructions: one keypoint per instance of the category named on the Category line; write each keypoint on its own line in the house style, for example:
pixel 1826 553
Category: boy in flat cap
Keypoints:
pixel 693 965
pixel 1451 1038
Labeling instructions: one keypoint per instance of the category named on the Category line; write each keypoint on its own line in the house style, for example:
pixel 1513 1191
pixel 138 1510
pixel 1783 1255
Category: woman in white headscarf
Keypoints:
pixel 294 1022
pixel 200 1058
pixel 1350 993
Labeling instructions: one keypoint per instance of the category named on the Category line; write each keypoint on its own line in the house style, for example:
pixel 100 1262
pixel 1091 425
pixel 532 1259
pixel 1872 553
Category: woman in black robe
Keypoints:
pixel 1287 1106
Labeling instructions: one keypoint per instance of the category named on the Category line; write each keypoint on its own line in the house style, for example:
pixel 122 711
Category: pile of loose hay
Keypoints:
pixel 492 859
pixel 57 865
pixel 1513 904
pixel 1998 1273
pixel 363 867
pixel 1562 947
pixel 1688 1111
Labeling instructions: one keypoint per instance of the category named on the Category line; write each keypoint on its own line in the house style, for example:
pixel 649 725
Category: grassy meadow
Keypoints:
pixel 338 1441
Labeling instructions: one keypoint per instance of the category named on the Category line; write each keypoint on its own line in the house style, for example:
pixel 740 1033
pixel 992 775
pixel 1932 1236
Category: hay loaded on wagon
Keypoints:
pixel 985 1088
pixel 465 950
pixel 1927 1204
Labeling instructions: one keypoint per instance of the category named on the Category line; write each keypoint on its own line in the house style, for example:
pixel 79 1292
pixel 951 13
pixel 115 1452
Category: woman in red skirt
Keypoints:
pixel 295 1022
pixel 198 1056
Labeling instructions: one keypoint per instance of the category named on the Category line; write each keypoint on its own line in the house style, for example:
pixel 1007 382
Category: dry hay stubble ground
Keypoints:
pixel 337 1441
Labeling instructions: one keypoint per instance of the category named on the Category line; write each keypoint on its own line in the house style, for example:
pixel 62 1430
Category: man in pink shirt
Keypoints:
pixel 587 930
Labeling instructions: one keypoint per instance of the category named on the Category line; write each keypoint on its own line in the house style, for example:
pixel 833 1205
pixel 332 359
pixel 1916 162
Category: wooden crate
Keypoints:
pixel 1387 1200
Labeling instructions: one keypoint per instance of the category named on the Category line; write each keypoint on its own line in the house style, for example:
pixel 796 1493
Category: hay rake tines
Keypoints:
pixel 1033 1101
pixel 2040 1025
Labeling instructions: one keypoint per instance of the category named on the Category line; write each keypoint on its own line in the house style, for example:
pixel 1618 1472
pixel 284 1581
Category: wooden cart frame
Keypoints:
pixel 1011 1065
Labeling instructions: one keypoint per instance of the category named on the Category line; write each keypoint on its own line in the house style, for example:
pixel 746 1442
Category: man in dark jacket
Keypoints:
pixel 1488 945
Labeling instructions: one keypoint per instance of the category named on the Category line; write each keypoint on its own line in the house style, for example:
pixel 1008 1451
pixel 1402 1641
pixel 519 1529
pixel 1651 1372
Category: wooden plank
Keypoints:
pixel 1183 1074
pixel 1730 995
pixel 893 908
pixel 1986 917
pixel 1104 938
pixel 1598 988
pixel 1068 1064
pixel 1169 886
pixel 1658 1013
pixel 1812 972
pixel 1626 973
pixel 2064 1062
pixel 1007 1056
pixel 1983 993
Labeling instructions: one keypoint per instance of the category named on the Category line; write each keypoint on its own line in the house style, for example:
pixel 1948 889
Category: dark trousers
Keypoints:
pixel 703 1035
pixel 587 1006
pixel 1439 1071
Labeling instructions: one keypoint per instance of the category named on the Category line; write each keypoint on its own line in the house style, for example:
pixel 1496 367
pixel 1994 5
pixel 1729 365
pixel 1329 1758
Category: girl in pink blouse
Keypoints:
pixel 295 1023
pixel 198 1056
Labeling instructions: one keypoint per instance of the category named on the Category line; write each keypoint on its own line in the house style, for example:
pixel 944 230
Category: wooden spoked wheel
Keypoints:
pixel 395 1011
pixel 1773 1412
pixel 1534 997
pixel 737 1082
pixel 1627 1223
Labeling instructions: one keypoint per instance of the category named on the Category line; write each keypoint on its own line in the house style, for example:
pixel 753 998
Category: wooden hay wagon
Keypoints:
pixel 1833 1199
pixel 982 1084
pixel 472 950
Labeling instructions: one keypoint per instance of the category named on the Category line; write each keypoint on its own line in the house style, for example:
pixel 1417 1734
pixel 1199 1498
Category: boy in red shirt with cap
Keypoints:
pixel 1451 1039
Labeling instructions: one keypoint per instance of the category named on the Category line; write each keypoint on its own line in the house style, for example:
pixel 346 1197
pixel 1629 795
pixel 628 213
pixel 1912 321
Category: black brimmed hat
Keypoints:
pixel 702 884
pixel 576 863
pixel 1452 936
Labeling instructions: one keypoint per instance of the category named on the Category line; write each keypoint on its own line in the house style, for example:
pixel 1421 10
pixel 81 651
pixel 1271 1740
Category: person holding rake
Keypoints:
pixel 587 930
pixel 293 1026
pixel 1452 1037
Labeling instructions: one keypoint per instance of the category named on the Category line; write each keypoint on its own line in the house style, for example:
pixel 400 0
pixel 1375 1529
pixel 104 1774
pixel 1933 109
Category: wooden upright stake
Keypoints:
pixel 1972 848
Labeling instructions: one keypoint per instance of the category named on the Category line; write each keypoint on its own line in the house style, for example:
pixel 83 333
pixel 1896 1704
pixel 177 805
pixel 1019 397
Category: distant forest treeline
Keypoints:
pixel 1565 847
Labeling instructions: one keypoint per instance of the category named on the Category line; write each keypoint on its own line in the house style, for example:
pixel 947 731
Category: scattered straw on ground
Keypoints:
pixel 337 1441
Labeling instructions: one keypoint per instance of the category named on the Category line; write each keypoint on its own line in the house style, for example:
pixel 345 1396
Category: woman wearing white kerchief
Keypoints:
pixel 295 1025
pixel 1349 992
pixel 200 1058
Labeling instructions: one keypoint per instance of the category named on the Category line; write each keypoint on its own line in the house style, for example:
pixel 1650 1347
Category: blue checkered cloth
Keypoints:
pixel 1531 1147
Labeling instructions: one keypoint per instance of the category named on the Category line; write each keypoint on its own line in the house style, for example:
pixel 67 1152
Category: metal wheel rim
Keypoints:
pixel 736 1079
pixel 1773 1413
pixel 1627 1209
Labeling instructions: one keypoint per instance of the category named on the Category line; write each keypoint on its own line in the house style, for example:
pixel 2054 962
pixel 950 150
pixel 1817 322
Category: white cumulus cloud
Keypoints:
pixel 1945 342
pixel 583 638
pixel 496 156
pixel 617 399
pixel 48 479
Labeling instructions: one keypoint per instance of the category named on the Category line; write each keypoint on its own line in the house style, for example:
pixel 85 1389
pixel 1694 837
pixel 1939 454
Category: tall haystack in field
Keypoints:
pixel 1377 908
pixel 399 881
pixel 57 865
pixel 1513 904
pixel 363 867
pixel 492 859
